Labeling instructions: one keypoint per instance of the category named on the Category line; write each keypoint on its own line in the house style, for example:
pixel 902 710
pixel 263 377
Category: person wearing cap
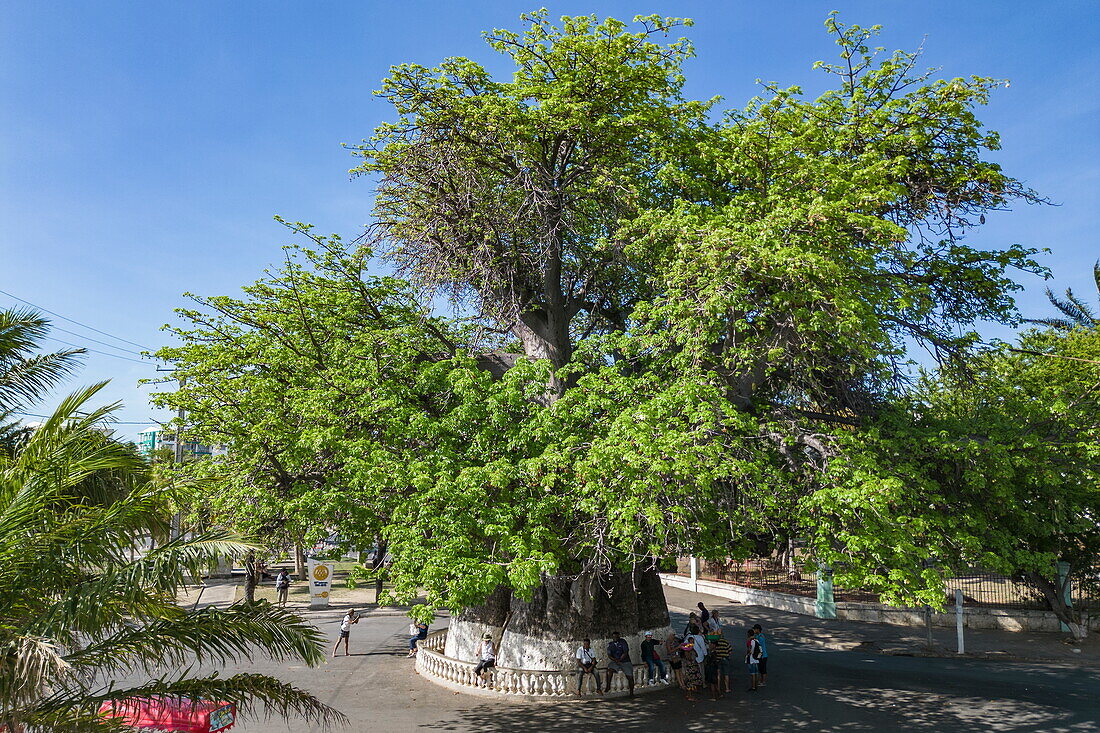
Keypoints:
pixel 586 663
pixel 619 653
pixel 487 656
pixel 655 666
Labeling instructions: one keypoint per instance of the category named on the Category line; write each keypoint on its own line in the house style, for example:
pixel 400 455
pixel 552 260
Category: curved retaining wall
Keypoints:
pixel 519 684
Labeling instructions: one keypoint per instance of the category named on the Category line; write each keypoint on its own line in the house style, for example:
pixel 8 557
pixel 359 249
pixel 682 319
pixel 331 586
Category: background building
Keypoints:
pixel 152 440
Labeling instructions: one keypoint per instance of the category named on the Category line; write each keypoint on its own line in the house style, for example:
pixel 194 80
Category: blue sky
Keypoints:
pixel 145 147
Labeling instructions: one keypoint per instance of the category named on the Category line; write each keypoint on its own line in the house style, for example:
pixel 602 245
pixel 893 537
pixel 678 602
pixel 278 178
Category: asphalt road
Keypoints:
pixel 808 689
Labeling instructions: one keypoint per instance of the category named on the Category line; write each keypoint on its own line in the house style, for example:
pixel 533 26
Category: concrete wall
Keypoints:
pixel 521 651
pixel 974 618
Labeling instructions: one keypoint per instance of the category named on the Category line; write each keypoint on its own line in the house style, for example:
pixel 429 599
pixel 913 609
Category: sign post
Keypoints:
pixel 320 583
pixel 825 605
pixel 959 619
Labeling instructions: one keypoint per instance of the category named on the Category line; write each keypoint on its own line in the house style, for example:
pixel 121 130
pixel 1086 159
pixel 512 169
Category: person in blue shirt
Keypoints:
pixel 618 652
pixel 763 662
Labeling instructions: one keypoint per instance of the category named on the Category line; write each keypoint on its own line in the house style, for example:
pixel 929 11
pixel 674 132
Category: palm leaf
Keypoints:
pixel 253 694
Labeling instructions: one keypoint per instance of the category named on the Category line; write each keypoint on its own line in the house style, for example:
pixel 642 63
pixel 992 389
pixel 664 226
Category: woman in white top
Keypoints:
pixel 345 631
pixel 486 652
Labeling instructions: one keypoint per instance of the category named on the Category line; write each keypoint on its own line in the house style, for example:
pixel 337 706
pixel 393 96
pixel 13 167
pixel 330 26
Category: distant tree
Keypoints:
pixel 320 382
pixel 995 464
pixel 1077 313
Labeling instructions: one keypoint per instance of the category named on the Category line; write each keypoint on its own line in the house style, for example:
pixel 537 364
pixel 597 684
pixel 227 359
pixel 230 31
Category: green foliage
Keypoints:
pixel 1076 313
pixel 993 464
pixel 510 194
pixel 715 315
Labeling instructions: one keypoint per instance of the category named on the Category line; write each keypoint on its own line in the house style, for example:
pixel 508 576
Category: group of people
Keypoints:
pixel 700 656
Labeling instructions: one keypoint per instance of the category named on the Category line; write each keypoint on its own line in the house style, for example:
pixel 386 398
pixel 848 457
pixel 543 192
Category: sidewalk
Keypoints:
pixel 216 593
pixel 782 627
pixel 224 592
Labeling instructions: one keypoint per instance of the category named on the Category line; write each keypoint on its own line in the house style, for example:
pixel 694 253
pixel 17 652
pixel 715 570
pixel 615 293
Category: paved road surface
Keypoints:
pixel 809 689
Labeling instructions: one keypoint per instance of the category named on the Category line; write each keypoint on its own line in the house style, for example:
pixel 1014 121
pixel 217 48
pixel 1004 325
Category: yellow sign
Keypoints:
pixel 320 583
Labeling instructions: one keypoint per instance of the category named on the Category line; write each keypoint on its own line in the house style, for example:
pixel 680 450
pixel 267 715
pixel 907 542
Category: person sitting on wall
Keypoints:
pixel 586 664
pixel 619 653
pixel 418 631
pixel 487 655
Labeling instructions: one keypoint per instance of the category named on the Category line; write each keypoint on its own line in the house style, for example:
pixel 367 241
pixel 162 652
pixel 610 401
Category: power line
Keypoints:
pixel 94 341
pixel 96 351
pixel 70 320
pixel 109 422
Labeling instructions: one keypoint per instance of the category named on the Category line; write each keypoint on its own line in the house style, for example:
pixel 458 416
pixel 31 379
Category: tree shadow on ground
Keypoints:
pixel 821 709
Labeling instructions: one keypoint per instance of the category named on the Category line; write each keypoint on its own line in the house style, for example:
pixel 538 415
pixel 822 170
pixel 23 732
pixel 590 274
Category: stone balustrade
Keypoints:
pixel 456 674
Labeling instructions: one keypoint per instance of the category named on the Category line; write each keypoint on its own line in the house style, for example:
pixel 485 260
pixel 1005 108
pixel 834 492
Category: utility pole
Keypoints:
pixel 177 459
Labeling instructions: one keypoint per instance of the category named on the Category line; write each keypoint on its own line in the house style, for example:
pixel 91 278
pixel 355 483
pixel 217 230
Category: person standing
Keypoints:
pixel 763 663
pixel 700 649
pixel 693 620
pixel 672 654
pixel 487 655
pixel 752 658
pixel 655 667
pixel 723 652
pixel 586 664
pixel 710 671
pixel 704 615
pixel 282 585
pixel 618 652
pixel 691 678
pixel 345 631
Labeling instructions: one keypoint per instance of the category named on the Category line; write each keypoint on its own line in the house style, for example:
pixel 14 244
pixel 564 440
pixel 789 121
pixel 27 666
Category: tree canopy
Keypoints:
pixel 715 313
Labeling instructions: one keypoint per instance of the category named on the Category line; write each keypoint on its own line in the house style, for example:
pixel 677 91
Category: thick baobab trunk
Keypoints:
pixel 544 633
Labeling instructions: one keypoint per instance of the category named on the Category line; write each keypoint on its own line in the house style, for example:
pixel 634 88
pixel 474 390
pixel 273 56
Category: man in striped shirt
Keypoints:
pixel 723 651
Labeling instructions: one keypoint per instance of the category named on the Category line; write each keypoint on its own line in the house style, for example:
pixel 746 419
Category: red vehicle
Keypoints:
pixel 172 714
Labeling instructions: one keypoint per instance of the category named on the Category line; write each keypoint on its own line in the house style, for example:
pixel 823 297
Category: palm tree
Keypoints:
pixel 81 623
pixel 25 376
pixel 1077 314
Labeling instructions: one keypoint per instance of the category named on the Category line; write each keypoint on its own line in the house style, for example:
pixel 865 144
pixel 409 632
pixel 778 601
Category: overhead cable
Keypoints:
pixel 70 320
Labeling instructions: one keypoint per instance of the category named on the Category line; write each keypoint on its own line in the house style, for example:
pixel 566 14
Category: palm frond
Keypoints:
pixel 23 377
pixel 29 379
pixel 210 635
pixel 1081 312
pixel 255 695
pixel 29 665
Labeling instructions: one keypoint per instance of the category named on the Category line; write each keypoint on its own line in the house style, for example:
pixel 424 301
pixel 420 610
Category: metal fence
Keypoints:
pixel 981 588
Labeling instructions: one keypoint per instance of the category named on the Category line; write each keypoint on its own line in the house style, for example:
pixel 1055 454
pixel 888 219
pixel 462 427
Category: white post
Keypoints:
pixel 694 563
pixel 959 619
